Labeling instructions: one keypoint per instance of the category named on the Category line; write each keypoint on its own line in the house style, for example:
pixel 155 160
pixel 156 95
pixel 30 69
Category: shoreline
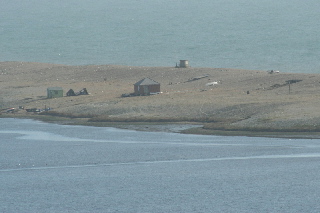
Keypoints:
pixel 223 101
pixel 169 127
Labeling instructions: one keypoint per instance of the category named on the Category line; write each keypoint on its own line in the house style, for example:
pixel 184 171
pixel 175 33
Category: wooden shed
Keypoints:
pixel 146 86
pixel 54 92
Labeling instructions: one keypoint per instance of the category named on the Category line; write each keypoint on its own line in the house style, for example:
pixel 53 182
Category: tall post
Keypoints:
pixel 289 87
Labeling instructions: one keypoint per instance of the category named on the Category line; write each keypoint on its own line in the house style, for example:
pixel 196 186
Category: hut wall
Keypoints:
pixel 146 89
pixel 154 88
pixel 54 93
pixel 184 63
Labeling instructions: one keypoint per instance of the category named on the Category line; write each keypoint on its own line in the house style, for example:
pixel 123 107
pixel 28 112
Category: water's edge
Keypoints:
pixel 169 127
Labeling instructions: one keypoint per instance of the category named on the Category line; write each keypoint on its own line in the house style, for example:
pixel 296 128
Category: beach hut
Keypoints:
pixel 146 86
pixel 54 92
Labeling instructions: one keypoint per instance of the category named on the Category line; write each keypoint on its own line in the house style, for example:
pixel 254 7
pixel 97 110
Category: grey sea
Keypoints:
pixel 54 168
pixel 266 34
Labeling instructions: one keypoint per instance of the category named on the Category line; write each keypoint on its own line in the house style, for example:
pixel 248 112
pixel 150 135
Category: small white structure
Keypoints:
pixel 212 83
pixel 273 71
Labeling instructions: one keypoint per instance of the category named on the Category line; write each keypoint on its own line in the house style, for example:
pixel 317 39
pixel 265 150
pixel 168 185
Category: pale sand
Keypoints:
pixel 269 103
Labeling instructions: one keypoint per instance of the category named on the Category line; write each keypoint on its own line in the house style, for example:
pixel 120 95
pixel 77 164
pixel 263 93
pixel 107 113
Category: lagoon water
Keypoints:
pixel 266 34
pixel 53 168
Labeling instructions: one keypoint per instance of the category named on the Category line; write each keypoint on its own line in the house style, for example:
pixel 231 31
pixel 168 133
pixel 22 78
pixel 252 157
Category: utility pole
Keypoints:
pixel 289 87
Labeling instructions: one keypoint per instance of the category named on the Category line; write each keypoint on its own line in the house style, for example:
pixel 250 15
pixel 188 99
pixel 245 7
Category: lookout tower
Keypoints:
pixel 184 63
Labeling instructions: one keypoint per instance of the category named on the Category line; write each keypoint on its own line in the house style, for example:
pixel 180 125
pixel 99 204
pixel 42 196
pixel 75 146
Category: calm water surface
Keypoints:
pixel 266 34
pixel 53 168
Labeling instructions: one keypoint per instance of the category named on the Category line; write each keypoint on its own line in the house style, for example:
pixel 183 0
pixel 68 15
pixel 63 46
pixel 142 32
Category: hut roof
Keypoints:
pixel 146 81
pixel 54 88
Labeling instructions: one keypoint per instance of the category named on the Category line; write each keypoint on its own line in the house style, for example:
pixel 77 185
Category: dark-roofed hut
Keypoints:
pixel 146 86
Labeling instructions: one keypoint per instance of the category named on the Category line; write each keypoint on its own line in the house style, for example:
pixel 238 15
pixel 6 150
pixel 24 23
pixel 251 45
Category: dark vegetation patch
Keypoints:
pixel 67 115
pixel 106 118
pixel 228 127
pixel 288 82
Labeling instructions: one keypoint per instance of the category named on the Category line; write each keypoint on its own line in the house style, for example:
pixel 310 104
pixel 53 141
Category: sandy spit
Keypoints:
pixel 239 99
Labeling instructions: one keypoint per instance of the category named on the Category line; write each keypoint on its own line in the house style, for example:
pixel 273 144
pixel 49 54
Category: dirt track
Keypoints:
pixel 250 98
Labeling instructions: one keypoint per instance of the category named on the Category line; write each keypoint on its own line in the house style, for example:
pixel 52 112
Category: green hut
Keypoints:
pixel 54 92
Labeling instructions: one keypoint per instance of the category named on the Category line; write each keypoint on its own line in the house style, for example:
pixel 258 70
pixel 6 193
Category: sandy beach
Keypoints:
pixel 221 98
